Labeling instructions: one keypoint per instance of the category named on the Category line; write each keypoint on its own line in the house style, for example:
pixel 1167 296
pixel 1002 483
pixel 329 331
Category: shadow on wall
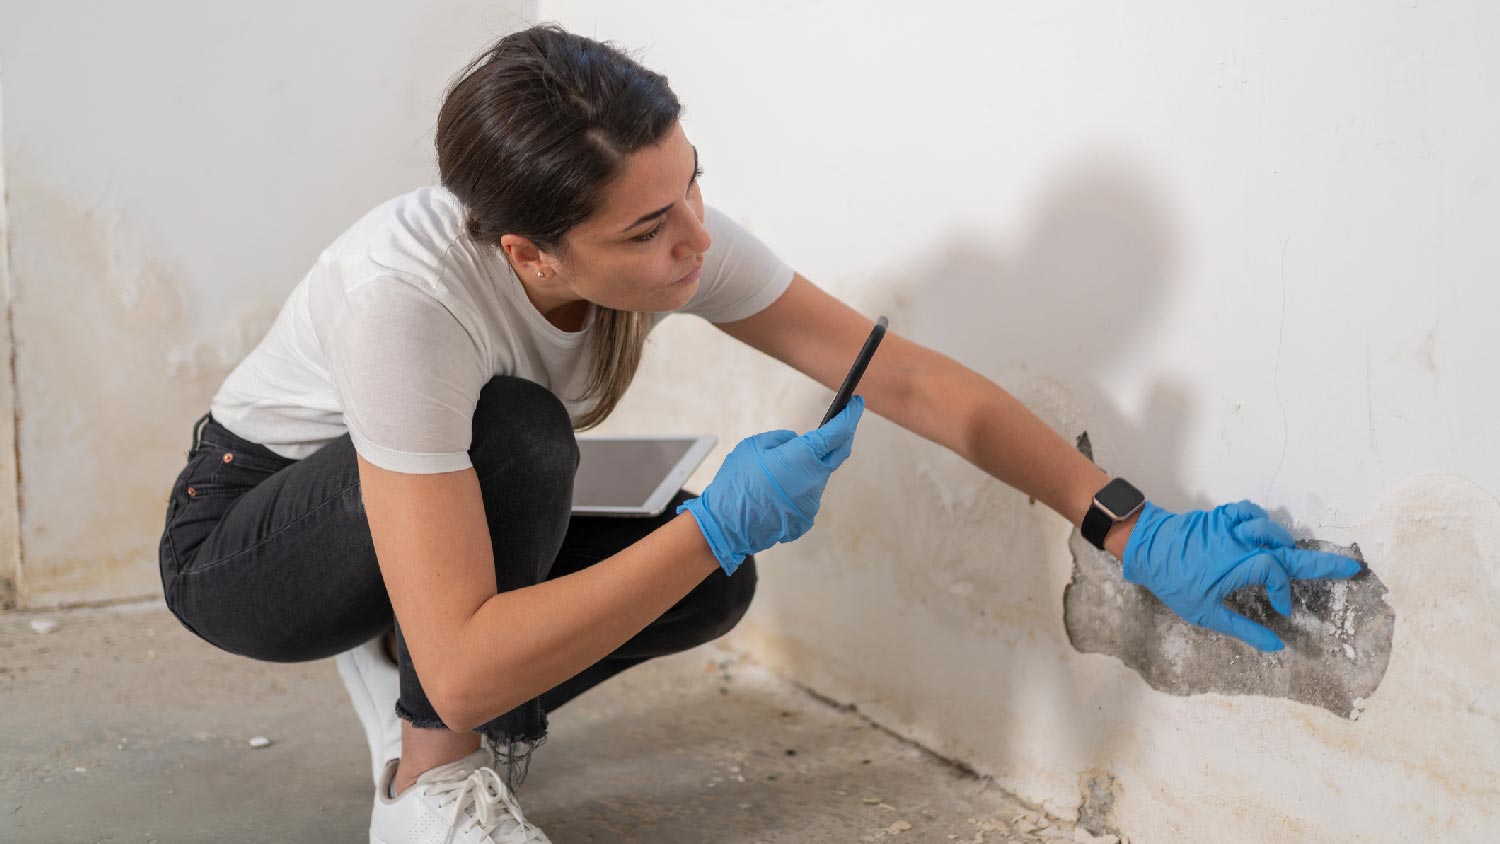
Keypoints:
pixel 970 555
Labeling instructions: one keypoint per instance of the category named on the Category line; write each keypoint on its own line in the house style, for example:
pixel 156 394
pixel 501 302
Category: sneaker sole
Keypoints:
pixel 356 685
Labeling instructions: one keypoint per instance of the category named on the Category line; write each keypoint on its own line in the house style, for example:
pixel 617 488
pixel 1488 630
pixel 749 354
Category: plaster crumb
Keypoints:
pixel 1338 594
pixel 872 800
pixel 1354 715
pixel 81 770
pixel 43 625
pixel 1349 652
pixel 746 805
pixel 260 741
pixel 886 806
pixel 899 826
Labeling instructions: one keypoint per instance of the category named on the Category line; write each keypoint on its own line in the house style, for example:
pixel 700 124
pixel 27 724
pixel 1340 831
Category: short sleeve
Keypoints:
pixel 741 275
pixel 408 377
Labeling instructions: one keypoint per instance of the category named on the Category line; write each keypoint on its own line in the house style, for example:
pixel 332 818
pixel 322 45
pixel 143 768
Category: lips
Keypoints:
pixel 690 277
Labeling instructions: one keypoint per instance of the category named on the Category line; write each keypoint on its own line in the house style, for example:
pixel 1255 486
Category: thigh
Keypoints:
pixel 274 563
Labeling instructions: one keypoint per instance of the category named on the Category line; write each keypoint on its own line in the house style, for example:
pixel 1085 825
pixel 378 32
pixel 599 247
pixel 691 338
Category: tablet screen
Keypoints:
pixel 624 473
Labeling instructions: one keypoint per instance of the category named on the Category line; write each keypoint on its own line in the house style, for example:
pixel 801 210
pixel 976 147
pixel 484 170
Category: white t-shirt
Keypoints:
pixel 404 318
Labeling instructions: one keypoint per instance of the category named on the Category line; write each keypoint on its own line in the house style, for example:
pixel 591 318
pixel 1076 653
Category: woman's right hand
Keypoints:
pixel 770 486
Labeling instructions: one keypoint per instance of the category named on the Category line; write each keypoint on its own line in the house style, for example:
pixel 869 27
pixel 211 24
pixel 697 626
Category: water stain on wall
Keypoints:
pixel 1338 637
pixel 112 372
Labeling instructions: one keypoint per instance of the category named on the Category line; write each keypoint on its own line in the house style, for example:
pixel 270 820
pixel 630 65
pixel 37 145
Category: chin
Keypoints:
pixel 685 292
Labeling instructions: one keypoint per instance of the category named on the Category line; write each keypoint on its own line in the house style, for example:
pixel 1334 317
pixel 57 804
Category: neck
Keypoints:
pixel 558 307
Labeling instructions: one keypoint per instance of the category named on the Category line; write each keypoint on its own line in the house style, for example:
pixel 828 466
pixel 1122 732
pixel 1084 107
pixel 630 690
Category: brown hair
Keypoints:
pixel 527 138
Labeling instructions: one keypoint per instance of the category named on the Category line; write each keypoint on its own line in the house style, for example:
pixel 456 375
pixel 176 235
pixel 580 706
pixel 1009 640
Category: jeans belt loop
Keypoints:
pixel 198 430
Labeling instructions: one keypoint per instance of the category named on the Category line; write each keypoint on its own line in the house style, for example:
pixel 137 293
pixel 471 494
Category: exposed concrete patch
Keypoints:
pixel 1096 811
pixel 1338 637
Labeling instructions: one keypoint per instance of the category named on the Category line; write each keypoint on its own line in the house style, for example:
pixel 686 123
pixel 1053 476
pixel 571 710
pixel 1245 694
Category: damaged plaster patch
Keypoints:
pixel 1098 790
pixel 1338 637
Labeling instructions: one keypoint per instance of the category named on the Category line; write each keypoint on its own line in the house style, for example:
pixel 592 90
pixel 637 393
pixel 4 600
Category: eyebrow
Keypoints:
pixel 660 211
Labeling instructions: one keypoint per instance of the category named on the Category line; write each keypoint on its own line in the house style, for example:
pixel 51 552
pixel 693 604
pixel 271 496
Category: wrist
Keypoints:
pixel 718 543
pixel 1119 536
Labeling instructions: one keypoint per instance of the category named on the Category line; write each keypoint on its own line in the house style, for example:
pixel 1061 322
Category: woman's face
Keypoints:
pixel 634 253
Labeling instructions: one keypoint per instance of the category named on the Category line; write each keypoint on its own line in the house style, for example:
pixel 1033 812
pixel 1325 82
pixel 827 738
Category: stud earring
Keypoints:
pixel 538 273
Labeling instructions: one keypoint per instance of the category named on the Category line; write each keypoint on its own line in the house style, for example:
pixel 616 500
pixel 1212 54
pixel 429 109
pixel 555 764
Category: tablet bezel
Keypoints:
pixel 656 502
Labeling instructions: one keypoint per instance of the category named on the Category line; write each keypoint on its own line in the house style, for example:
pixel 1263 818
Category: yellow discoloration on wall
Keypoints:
pixel 112 374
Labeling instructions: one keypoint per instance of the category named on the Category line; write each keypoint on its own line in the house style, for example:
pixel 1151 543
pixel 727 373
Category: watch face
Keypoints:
pixel 1119 497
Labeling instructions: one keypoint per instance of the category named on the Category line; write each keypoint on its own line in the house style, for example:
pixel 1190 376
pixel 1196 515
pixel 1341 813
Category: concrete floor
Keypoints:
pixel 122 726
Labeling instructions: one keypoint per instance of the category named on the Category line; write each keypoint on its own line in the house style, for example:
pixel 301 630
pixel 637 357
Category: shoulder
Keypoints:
pixel 413 233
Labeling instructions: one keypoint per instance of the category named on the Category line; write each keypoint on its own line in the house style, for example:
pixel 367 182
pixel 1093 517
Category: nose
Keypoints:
pixel 698 239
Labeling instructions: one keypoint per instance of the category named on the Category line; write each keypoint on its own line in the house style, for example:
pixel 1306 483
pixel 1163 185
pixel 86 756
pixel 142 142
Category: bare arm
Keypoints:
pixel 480 654
pixel 986 425
pixel 932 395
pixel 559 627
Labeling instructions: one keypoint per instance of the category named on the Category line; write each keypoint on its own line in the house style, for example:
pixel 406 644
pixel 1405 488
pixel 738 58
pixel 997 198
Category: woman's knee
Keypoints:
pixel 519 425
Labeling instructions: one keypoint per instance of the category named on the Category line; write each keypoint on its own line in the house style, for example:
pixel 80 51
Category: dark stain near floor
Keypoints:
pixel 1338 637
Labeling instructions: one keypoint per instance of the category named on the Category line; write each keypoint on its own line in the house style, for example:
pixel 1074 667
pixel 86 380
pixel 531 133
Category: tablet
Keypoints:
pixel 634 475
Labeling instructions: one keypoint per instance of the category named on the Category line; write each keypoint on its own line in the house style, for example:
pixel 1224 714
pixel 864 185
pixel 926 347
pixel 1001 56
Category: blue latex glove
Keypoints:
pixel 1191 561
pixel 770 487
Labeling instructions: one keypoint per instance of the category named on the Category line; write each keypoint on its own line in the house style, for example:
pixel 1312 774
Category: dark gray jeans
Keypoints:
pixel 271 558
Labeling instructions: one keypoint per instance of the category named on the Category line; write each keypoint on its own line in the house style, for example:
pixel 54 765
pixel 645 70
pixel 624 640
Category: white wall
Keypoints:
pixel 1243 250
pixel 1246 250
pixel 174 168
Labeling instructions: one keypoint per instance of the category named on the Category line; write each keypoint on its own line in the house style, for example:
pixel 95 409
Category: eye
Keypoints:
pixel 650 234
pixel 656 231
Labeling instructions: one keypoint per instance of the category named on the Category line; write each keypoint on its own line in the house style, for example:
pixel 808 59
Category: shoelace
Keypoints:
pixel 495 809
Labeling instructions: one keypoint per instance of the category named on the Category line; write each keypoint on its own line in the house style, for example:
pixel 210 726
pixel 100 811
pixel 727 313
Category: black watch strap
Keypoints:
pixel 1122 498
pixel 1096 525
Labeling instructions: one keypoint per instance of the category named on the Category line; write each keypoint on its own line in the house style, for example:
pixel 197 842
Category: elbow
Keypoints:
pixel 449 702
pixel 465 705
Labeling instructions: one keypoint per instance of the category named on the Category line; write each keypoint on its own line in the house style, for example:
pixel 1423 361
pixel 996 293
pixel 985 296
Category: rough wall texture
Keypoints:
pixel 1338 637
pixel 10 552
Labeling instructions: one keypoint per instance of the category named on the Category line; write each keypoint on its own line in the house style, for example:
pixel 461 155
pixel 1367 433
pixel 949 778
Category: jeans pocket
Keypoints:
pixel 218 470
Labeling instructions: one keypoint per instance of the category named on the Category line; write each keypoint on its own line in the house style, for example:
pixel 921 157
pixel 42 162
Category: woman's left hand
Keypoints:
pixel 1193 560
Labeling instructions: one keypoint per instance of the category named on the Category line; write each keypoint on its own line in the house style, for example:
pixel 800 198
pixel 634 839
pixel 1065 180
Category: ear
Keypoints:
pixel 523 254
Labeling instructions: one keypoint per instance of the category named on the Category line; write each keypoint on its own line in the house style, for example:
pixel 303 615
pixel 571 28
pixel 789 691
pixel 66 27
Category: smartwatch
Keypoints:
pixel 1115 503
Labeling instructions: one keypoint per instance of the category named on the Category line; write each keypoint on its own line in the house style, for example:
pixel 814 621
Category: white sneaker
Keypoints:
pixel 462 802
pixel 374 682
